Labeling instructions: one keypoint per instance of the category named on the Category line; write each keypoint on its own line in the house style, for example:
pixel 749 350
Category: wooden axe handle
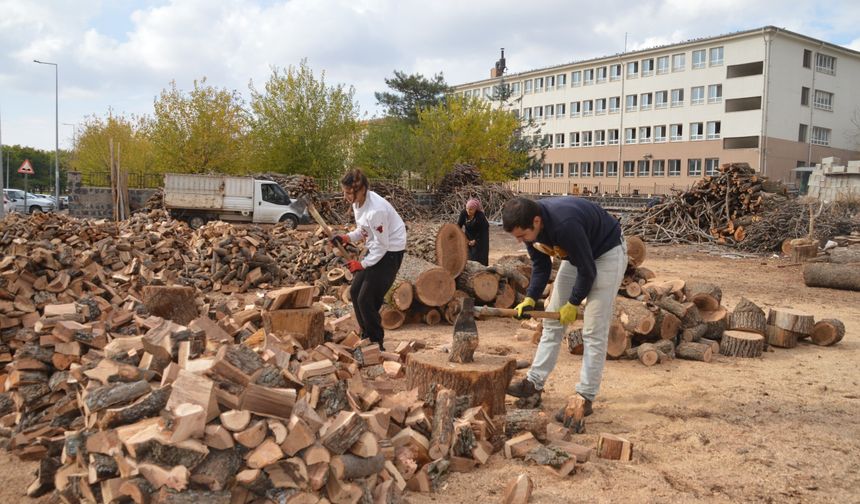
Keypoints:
pixel 318 218
pixel 487 311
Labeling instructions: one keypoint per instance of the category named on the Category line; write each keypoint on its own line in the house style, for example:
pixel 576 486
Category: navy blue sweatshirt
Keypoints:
pixel 582 229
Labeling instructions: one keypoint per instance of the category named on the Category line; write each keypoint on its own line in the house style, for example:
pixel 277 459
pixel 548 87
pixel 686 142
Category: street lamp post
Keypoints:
pixel 56 129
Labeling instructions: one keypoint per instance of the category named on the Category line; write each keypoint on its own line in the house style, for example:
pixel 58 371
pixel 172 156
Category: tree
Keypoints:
pixel 43 166
pixel 469 131
pixel 131 146
pixel 204 131
pixel 527 137
pixel 301 125
pixel 387 148
pixel 412 94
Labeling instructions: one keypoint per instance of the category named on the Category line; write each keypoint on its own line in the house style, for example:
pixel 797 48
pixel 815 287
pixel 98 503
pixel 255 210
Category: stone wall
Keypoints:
pixel 832 181
pixel 96 202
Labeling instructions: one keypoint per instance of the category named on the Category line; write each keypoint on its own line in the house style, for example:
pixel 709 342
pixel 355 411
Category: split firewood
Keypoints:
pixel 610 446
pixel 518 490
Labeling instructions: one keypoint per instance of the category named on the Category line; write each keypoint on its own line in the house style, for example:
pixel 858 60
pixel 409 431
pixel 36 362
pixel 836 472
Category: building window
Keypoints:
pixel 674 167
pixel 527 113
pixel 574 109
pixel 629 169
pixel 699 58
pixel 574 139
pixel 825 64
pixel 572 169
pixel 528 86
pixel 561 81
pixel 559 140
pixel 575 78
pixel 598 168
pixel 615 72
pixel 697 131
pixel 694 167
pixel 560 110
pixel 599 137
pixel 516 88
pixel 676 132
pixel 716 56
pixel 547 170
pixel 601 74
pixel 547 140
pixel 677 97
pixel 600 106
pixel 614 104
pixel 801 133
pixel 538 84
pixel 659 168
pixel 612 168
pixel 645 101
pixel 660 133
pixel 678 62
pixel 662 65
pixel 538 113
pixel 632 69
pixel 587 107
pixel 487 92
pixel 644 167
pixel 644 134
pixel 629 135
pixel 712 166
pixel 588 76
pixel 549 111
pixel 613 137
pixel 631 102
pixel 823 100
pixel 804 96
pixel 648 67
pixel 550 83
pixel 559 169
pixel 586 139
pixel 715 93
pixel 713 130
pixel 807 58
pixel 697 95
pixel 661 99
pixel 820 136
pixel 585 168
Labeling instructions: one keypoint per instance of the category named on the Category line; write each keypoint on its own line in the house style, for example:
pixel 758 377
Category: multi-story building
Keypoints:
pixel 654 119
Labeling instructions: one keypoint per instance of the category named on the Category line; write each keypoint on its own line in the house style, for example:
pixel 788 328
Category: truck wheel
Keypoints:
pixel 196 221
pixel 290 221
pixel 35 209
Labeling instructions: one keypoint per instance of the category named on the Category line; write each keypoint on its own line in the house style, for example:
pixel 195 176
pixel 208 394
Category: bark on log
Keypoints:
pixel 400 295
pixel 518 421
pixel 716 322
pixel 782 338
pixel 802 253
pixel 443 424
pixel 694 351
pixel 479 282
pixel 747 316
pixel 791 320
pixel 694 288
pixel 465 340
pixel 828 332
pixel 845 255
pixel 741 344
pixel 635 316
pixel 147 406
pixel 832 276
pixel 647 354
pixel 433 285
pixel 666 326
pixel 484 380
pixel 452 251
pixel 116 393
pixel 694 333
pixel 667 347
pixel 350 467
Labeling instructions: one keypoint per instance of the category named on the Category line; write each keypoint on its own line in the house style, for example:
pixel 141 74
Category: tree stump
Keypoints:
pixel 484 380
pixel 791 320
pixel 392 318
pixel 828 332
pixel 802 253
pixel 747 316
pixel 452 250
pixel 433 285
pixel 612 447
pixel 741 344
pixel 465 340
pixel 636 250
pixel 832 276
pixel 619 340
pixel 479 282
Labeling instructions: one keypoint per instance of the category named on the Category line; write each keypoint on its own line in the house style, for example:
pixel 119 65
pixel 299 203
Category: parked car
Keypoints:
pixel 64 202
pixel 7 205
pixel 32 204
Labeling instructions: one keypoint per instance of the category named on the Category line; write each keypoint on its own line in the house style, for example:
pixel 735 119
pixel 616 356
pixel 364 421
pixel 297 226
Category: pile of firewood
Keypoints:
pixel 717 208
pixel 798 218
pixel 492 196
pixel 461 175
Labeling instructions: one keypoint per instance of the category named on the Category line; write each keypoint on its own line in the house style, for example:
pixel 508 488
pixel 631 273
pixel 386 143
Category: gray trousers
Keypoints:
pixel 597 317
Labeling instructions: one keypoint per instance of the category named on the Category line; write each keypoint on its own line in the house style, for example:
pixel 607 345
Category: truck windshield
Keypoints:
pixel 273 193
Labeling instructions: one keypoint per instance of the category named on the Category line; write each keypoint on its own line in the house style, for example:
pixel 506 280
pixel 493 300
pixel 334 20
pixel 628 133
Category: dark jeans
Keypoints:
pixel 368 290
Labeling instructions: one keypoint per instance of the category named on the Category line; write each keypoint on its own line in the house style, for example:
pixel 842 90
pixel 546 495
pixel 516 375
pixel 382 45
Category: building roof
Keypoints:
pixel 702 40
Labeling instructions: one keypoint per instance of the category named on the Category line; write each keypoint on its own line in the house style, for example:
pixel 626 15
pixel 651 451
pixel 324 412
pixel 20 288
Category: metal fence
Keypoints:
pixel 544 186
pixel 135 180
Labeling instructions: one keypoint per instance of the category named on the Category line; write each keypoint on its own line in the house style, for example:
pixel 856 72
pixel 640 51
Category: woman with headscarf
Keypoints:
pixel 474 223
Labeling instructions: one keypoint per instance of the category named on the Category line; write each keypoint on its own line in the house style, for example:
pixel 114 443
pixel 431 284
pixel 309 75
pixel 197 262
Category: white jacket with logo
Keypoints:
pixel 380 226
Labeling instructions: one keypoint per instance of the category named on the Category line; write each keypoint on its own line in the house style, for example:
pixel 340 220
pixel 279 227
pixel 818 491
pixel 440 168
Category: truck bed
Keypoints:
pixel 209 192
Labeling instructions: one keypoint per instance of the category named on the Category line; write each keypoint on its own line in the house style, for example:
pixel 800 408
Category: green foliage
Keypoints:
pixel 301 125
pixel 387 149
pixel 203 131
pixel 130 142
pixel 412 94
pixel 43 166
pixel 472 132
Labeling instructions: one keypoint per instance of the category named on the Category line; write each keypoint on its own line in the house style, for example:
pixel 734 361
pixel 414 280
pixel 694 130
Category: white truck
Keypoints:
pixel 198 199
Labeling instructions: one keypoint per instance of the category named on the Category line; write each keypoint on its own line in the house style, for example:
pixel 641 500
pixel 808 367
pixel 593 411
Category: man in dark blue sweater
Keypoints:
pixel 594 257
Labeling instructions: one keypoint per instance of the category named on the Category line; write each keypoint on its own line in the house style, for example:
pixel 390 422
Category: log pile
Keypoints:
pixel 790 219
pixel 839 269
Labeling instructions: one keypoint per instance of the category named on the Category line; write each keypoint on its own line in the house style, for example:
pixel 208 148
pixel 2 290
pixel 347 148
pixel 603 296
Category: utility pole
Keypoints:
pixel 56 127
pixel 2 206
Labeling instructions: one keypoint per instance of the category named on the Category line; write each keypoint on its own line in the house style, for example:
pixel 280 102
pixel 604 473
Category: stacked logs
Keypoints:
pixel 841 270
pixel 716 208
pixel 789 219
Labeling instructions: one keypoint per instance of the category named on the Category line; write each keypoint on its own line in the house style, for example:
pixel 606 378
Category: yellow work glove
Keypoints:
pixel 567 313
pixel 527 304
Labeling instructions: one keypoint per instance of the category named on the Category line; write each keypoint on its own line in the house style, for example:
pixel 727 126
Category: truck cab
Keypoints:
pixel 273 204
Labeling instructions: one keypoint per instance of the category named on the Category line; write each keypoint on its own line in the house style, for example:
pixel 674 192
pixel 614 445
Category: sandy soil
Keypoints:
pixel 783 428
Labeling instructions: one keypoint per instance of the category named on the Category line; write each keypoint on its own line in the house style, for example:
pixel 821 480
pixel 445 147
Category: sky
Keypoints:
pixel 117 56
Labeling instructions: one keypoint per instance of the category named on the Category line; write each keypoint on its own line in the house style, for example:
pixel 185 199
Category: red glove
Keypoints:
pixel 354 266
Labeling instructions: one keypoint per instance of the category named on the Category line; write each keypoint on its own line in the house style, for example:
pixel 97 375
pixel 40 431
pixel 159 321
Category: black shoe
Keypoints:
pixel 559 416
pixel 523 388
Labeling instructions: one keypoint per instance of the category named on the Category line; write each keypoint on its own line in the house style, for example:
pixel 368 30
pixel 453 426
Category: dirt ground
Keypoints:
pixel 783 428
